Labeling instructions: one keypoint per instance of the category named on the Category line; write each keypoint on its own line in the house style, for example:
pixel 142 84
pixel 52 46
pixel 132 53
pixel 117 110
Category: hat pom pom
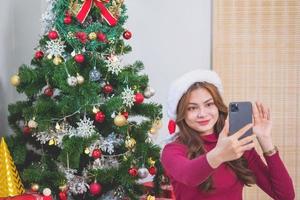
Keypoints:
pixel 172 126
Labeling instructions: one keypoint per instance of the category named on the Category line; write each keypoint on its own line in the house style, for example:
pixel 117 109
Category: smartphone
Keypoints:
pixel 240 114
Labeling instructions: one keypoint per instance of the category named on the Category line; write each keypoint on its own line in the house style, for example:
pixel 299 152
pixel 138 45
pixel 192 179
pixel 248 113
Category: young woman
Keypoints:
pixel 204 162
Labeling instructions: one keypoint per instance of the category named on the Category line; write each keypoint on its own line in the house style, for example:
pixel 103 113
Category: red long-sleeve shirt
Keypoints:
pixel 185 174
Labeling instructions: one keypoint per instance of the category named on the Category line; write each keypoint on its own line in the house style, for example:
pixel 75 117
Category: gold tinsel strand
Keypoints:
pixel 11 184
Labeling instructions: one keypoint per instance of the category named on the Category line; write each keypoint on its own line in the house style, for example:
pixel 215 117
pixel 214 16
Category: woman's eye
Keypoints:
pixel 191 108
pixel 210 104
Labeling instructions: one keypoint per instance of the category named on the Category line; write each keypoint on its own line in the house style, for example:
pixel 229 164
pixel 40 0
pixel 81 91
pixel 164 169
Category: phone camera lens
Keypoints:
pixel 234 107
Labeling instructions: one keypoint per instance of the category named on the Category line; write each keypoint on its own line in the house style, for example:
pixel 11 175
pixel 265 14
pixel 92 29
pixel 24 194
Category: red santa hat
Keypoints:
pixel 182 84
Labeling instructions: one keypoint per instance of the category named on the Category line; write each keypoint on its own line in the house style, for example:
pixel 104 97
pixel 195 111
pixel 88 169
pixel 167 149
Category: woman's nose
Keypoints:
pixel 201 113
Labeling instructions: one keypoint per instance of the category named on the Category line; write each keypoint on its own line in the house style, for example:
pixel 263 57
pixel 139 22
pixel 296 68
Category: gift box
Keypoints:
pixel 28 196
pixel 167 192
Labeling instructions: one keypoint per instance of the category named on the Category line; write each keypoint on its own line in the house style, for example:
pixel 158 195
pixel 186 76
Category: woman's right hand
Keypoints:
pixel 230 147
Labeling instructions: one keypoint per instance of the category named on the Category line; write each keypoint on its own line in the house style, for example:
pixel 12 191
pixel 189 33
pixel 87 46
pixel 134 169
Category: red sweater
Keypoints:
pixel 185 175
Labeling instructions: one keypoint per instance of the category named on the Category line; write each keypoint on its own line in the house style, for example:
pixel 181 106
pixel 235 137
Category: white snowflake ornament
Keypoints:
pixel 114 64
pixel 85 128
pixel 128 97
pixel 55 47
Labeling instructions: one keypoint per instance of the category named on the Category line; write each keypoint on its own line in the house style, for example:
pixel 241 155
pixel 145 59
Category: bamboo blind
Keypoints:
pixel 256 51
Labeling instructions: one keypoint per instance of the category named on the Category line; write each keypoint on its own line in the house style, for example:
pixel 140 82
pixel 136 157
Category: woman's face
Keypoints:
pixel 201 113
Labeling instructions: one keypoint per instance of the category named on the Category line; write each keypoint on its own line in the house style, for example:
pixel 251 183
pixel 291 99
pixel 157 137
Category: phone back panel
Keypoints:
pixel 240 114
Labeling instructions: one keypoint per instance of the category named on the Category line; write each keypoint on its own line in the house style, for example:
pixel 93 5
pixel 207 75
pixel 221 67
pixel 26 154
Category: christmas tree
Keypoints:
pixel 85 128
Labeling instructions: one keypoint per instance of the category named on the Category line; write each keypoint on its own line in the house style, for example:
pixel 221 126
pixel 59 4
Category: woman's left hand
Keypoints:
pixel 262 125
pixel 262 120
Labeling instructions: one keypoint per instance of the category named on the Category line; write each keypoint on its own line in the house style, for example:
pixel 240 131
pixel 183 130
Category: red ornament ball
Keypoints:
pixel 63 195
pixel 152 170
pixel 68 13
pixel 46 198
pixel 81 36
pixel 95 188
pixel 97 153
pixel 26 130
pixel 107 89
pixel 52 35
pixel 125 114
pixel 39 55
pixel 101 37
pixel 139 98
pixel 133 171
pixel 79 58
pixel 127 35
pixel 100 117
pixel 67 20
pixel 48 92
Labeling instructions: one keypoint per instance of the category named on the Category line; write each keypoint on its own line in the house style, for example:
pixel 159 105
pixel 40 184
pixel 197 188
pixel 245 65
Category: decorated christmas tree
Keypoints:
pixel 85 127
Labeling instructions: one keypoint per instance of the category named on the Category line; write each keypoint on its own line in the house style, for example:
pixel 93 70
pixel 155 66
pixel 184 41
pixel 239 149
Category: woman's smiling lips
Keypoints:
pixel 203 123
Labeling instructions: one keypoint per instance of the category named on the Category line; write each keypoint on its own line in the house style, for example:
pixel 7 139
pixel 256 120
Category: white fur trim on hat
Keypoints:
pixel 182 84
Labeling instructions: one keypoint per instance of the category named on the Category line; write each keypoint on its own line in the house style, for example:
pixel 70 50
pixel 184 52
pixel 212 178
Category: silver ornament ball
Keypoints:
pixel 149 92
pixel 32 124
pixel 95 74
pixel 143 172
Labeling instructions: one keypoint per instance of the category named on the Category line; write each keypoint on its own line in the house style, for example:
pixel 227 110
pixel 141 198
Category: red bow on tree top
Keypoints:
pixel 105 13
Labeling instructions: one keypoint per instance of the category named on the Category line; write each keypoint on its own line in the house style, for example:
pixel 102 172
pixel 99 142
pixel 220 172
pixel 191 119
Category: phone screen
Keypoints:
pixel 240 114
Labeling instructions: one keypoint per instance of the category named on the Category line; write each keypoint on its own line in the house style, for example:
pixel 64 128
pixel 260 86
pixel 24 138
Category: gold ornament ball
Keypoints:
pixel 35 187
pixel 151 161
pixel 120 120
pixel 92 36
pixel 95 109
pixel 63 187
pixel 52 142
pixel 130 143
pixel 80 79
pixel 86 151
pixel 158 124
pixel 150 197
pixel 49 56
pixel 15 80
pixel 153 130
pixel 57 60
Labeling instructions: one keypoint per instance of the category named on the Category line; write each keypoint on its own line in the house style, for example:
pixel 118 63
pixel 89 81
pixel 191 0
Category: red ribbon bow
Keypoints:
pixel 105 13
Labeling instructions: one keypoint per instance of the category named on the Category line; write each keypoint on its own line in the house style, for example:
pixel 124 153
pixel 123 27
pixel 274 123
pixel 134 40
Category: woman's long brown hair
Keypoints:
pixel 191 139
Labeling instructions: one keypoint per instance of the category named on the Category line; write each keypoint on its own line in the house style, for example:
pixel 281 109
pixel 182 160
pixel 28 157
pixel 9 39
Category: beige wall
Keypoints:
pixel 256 50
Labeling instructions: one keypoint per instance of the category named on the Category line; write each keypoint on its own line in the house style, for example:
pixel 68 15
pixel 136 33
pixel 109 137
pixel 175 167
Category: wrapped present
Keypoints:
pixel 28 196
pixel 167 191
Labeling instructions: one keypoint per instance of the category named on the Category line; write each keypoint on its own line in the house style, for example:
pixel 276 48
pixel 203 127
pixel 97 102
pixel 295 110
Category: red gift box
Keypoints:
pixel 167 191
